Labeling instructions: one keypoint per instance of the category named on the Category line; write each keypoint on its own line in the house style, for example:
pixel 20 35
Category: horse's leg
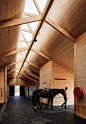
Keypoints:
pixel 52 103
pixel 35 104
pixel 39 102
pixel 47 104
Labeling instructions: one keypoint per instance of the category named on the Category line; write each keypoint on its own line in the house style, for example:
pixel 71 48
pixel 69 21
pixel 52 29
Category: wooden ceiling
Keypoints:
pixel 59 25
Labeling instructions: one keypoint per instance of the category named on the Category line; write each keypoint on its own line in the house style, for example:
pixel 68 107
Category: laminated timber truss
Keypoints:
pixel 23 52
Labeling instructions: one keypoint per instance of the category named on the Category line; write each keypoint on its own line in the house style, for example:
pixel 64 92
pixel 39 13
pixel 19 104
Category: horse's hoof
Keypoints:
pixel 35 108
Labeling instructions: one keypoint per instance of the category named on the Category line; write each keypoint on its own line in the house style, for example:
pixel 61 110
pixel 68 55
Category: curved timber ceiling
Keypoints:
pixel 10 9
pixel 64 23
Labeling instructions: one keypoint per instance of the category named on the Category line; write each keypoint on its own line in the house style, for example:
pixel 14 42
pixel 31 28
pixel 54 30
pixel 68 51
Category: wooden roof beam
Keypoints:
pixel 24 39
pixel 36 4
pixel 20 21
pixel 13 70
pixel 11 75
pixel 30 29
pixel 41 54
pixel 30 72
pixel 9 78
pixel 80 36
pixel 36 78
pixel 22 77
pixel 28 14
pixel 43 16
pixel 60 29
pixel 25 30
pixel 13 52
pixel 29 78
pixel 32 64
pixel 13 63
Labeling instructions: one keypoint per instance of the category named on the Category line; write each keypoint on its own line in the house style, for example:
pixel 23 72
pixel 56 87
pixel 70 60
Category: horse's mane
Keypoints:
pixel 57 91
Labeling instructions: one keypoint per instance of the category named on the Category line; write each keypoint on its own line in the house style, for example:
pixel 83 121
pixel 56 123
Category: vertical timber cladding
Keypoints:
pixel 80 74
pixel 62 78
pixel 18 81
pixel 2 85
pixel 53 75
pixel 45 78
pixel 5 85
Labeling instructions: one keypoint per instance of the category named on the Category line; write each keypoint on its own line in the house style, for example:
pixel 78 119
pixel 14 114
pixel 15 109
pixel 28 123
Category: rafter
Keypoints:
pixel 80 36
pixel 36 4
pixel 20 21
pixel 24 78
pixel 21 55
pixel 30 72
pixel 40 53
pixel 28 14
pixel 24 41
pixel 18 56
pixel 30 29
pixel 13 63
pixel 60 29
pixel 25 30
pixel 9 78
pixel 13 52
pixel 11 75
pixel 32 64
pixel 13 70
pixel 24 38
pixel 29 78
pixel 21 45
pixel 43 16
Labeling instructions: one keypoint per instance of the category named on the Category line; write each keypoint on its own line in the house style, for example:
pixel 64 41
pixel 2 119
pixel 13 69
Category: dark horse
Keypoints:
pixel 40 93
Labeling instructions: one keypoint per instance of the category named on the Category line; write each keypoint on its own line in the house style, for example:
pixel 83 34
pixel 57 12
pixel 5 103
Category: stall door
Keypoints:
pixel 11 90
pixel 22 90
pixel 28 91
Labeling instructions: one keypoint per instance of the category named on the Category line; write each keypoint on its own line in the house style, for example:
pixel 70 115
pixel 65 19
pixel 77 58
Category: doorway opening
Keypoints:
pixel 17 90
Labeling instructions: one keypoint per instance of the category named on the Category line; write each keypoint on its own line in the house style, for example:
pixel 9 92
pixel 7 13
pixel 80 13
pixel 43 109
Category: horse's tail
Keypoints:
pixel 34 98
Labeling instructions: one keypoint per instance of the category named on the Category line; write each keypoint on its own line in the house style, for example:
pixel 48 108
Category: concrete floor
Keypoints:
pixel 19 110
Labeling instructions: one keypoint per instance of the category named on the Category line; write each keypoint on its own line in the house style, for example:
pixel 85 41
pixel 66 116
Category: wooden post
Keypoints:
pixel 52 79
pixel 5 85
pixel 75 72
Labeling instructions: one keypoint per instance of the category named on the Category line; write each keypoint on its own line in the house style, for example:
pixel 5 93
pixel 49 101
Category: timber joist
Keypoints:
pixel 42 18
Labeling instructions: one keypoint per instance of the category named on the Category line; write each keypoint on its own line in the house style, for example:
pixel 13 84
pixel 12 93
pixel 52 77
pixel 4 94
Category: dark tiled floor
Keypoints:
pixel 1 105
pixel 19 110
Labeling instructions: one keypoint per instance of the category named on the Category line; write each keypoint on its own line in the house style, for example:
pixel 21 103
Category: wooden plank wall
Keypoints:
pixel 2 85
pixel 59 72
pixel 45 76
pixel 51 71
pixel 18 81
pixel 5 84
pixel 80 74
